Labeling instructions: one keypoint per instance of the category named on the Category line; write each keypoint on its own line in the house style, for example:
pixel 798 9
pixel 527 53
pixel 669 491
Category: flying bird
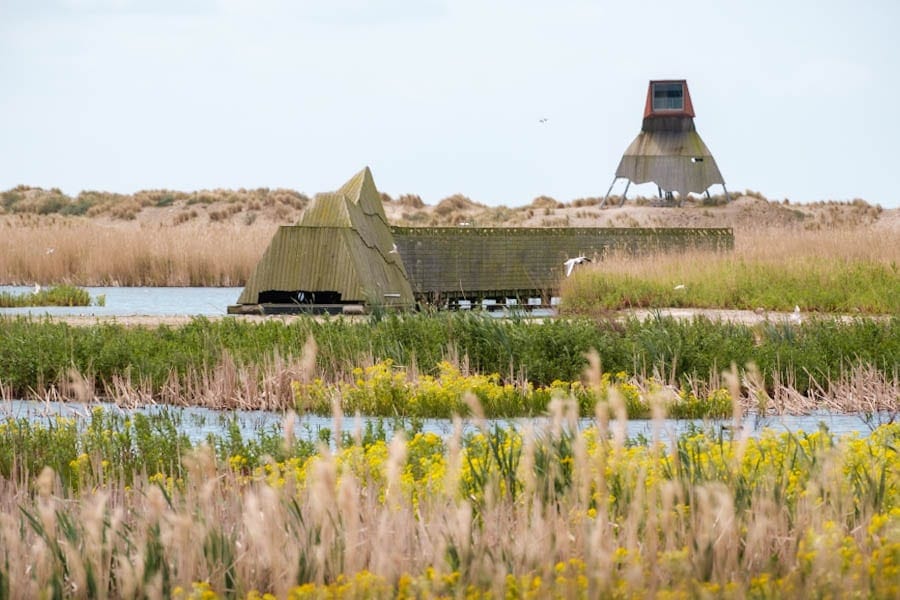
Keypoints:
pixel 680 286
pixel 542 120
pixel 394 250
pixel 570 264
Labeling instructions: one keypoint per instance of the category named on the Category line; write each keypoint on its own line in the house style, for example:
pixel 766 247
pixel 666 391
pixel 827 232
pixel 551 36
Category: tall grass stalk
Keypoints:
pixel 557 512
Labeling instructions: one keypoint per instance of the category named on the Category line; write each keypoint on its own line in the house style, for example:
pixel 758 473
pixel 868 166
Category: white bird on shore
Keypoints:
pixel 795 316
pixel 570 264
pixel 37 288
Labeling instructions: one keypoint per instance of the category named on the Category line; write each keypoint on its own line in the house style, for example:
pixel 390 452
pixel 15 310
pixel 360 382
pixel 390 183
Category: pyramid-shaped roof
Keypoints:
pixel 360 190
pixel 329 209
pixel 342 244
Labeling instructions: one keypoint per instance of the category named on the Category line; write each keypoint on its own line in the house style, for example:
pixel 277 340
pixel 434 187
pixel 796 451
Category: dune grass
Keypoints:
pixel 58 295
pixel 845 271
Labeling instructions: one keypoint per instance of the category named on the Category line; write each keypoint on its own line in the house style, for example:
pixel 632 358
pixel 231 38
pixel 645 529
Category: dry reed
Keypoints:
pixel 774 248
pixel 220 249
pixel 90 252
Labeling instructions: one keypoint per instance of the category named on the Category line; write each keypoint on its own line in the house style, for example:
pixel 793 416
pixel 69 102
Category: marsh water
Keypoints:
pixel 168 301
pixel 198 423
pixel 128 301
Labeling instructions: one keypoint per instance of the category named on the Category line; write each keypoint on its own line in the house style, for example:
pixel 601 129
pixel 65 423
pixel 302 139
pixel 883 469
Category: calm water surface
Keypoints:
pixel 166 301
pixel 129 301
pixel 198 423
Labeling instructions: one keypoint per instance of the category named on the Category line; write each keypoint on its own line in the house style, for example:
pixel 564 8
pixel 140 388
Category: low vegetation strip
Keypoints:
pixel 122 506
pixel 828 286
pixel 382 389
pixel 58 295
pixel 40 355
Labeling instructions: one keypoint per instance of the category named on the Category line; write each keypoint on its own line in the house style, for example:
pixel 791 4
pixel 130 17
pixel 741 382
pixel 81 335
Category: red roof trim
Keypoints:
pixel 688 105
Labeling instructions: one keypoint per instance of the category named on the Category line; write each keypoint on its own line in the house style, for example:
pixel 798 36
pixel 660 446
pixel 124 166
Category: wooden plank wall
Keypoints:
pixel 446 262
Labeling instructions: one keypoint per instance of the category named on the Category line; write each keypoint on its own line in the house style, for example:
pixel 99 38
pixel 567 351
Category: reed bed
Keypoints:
pixel 383 390
pixel 85 252
pixel 256 362
pixel 848 271
pixel 555 511
pixel 831 269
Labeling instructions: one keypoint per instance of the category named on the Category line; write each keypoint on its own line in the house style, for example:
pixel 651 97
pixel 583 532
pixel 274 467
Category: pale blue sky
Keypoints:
pixel 795 99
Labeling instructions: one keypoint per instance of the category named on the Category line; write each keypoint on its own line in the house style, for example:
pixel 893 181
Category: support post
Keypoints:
pixel 727 197
pixel 606 197
pixel 625 192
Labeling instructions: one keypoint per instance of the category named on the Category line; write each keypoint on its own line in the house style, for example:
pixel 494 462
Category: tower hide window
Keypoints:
pixel 668 96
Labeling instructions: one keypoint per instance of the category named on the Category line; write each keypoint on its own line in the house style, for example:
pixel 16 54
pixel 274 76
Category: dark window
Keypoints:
pixel 668 96
pixel 298 297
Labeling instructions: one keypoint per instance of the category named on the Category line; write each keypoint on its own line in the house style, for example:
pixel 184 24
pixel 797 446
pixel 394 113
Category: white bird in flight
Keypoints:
pixel 394 250
pixel 570 264
pixel 680 286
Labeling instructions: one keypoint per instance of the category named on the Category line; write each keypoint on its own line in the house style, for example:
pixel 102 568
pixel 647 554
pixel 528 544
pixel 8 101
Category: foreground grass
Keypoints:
pixel 58 295
pixel 127 509
pixel 834 271
pixel 257 362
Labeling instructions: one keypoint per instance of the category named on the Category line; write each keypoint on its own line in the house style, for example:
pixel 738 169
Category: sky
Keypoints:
pixel 794 99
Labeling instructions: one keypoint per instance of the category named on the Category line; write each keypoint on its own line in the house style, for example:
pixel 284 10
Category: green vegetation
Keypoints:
pixel 384 389
pixel 58 295
pixel 121 505
pixel 829 286
pixel 82 449
pixel 36 354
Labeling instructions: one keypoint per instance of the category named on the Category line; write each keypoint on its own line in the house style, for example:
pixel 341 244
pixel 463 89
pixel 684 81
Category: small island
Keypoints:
pixel 57 295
